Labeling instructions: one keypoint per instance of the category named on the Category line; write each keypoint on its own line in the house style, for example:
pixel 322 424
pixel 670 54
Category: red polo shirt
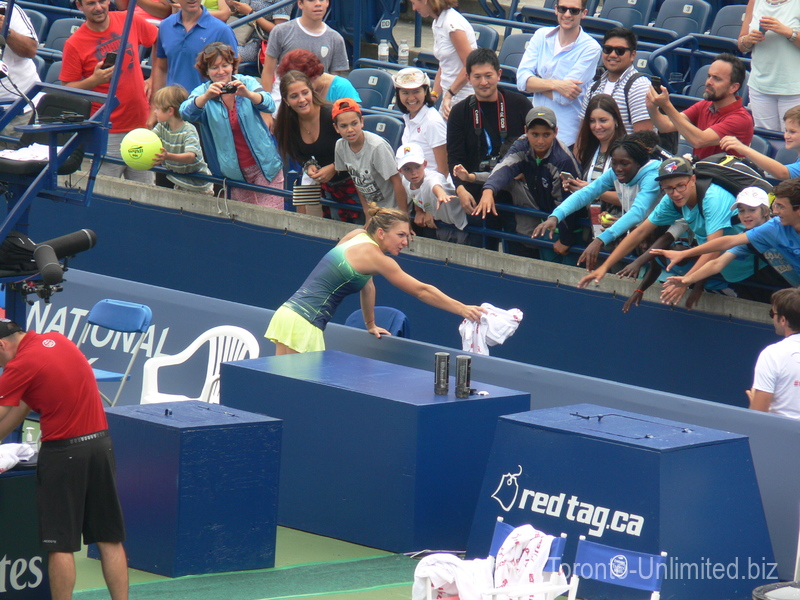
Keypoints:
pixel 730 120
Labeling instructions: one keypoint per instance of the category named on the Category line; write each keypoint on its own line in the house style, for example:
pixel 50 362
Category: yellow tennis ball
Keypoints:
pixel 139 148
pixel 606 219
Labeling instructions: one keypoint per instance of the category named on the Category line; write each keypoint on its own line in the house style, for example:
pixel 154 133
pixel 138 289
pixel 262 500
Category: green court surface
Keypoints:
pixel 307 566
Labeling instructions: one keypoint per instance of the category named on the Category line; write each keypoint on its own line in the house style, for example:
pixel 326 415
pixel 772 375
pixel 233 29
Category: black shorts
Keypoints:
pixel 76 493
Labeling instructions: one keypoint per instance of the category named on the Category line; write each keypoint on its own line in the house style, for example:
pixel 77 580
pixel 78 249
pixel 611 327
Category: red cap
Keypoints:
pixel 343 105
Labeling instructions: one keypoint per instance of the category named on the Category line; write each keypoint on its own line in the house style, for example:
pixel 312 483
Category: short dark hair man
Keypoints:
pixel 75 481
pixel 480 130
pixel 775 384
pixel 720 113
pixel 622 81
pixel 708 220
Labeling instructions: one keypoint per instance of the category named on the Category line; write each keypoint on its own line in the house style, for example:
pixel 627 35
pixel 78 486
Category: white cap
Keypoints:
pixel 752 196
pixel 410 78
pixel 409 153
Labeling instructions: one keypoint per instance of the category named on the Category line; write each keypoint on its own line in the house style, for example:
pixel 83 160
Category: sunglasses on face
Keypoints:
pixel 618 50
pixel 573 11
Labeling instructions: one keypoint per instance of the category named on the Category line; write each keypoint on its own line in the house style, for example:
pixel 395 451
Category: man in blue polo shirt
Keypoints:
pixel 777 240
pixel 181 37
pixel 708 215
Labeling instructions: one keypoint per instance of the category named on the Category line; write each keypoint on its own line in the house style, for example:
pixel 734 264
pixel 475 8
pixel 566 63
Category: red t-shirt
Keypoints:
pixel 730 120
pixel 52 376
pixel 246 158
pixel 85 48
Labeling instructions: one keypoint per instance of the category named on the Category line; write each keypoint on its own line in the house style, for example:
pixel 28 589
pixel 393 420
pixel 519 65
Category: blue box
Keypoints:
pixel 635 482
pixel 23 573
pixel 370 454
pixel 198 485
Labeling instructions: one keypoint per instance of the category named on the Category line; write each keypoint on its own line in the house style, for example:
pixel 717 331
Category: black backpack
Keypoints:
pixel 16 253
pixel 730 172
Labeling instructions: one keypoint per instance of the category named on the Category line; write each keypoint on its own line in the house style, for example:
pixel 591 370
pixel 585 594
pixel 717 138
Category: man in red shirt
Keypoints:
pixel 75 480
pixel 84 53
pixel 720 113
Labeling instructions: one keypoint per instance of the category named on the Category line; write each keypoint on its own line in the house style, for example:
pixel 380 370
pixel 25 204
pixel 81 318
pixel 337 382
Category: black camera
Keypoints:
pixel 488 164
pixel 228 88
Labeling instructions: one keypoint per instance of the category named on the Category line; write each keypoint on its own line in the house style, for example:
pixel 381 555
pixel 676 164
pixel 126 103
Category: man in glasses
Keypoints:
pixel 181 37
pixel 88 65
pixel 776 383
pixel 706 122
pixel 708 214
pixel 622 81
pixel 559 65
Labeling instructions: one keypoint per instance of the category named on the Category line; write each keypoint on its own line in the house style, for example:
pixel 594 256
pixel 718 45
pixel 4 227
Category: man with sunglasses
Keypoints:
pixel 707 212
pixel 558 67
pixel 622 81
pixel 720 113
pixel 776 382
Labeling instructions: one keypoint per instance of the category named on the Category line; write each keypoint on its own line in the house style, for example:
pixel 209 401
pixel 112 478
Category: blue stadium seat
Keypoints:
pixel 511 53
pixel 60 30
pixel 724 30
pixel 694 91
pixel 53 72
pixel 642 63
pixel 624 13
pixel 675 19
pixel 375 87
pixel 485 36
pixel 391 319
pixel 388 127
pixel 39 22
pixel 761 145
pixel 786 156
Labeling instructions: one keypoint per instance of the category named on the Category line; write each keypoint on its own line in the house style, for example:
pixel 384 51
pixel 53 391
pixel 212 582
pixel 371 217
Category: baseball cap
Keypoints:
pixel 409 153
pixel 410 78
pixel 8 327
pixel 541 113
pixel 752 196
pixel 677 166
pixel 343 105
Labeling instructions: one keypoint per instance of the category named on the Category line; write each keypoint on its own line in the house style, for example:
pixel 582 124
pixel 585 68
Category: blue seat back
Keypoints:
pixel 53 72
pixel 698 85
pixel 122 316
pixel 485 36
pixel 392 320
pixel 513 48
pixel 643 64
pixel 636 570
pixel 60 30
pixel 628 12
pixel 728 21
pixel 388 127
pixel 684 16
pixel 375 86
pixel 39 23
pixel 501 531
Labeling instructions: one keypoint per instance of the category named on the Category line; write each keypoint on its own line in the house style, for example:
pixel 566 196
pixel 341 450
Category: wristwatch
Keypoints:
pixel 793 37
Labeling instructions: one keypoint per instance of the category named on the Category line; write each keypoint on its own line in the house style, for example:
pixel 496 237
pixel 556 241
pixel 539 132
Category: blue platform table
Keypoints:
pixel 23 563
pixel 634 482
pixel 370 454
pixel 198 485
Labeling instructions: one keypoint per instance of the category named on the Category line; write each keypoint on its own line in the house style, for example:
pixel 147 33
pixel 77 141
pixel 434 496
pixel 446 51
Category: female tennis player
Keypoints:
pixel 348 268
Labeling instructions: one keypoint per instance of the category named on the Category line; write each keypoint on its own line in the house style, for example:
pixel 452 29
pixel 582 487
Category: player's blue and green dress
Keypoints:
pixel 300 321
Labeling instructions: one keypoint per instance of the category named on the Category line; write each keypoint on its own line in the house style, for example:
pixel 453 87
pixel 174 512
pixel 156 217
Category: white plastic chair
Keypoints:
pixel 225 343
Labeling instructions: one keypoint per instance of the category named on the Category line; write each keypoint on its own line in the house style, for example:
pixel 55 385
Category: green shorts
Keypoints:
pixel 293 331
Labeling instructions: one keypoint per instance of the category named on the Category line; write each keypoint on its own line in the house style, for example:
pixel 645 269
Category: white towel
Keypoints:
pixel 521 559
pixel 11 454
pixel 451 576
pixel 495 327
